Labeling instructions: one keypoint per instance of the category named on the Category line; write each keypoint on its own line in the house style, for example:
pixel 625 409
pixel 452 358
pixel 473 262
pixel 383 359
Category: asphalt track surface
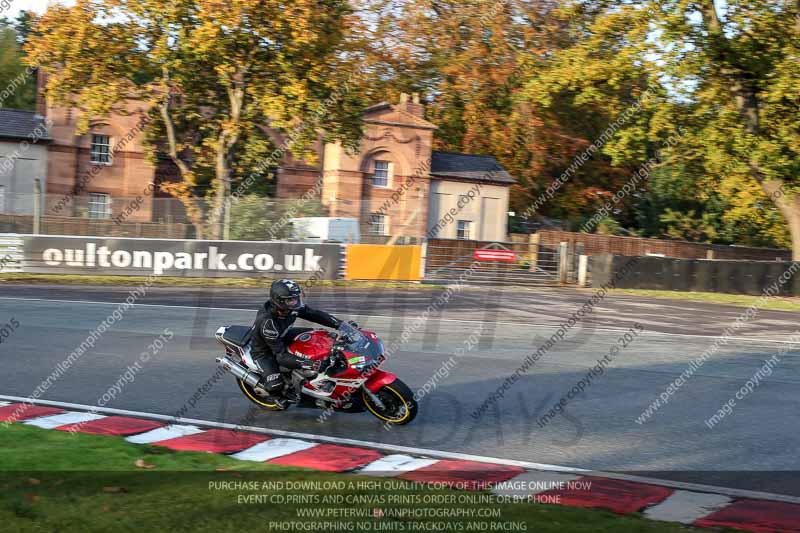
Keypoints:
pixel 755 447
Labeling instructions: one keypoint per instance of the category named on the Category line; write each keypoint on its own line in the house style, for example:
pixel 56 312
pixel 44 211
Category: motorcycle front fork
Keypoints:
pixel 374 397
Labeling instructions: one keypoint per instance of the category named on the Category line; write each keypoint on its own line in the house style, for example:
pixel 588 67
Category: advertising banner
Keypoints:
pixel 49 254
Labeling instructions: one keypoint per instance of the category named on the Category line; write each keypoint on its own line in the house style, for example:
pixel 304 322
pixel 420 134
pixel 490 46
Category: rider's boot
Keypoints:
pixel 298 380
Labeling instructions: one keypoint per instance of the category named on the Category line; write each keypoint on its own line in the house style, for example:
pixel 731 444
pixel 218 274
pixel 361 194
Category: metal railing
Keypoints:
pixel 100 215
pixel 521 263
pixel 248 217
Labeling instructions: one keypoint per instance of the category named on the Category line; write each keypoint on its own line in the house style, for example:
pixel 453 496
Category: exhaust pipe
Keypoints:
pixel 238 370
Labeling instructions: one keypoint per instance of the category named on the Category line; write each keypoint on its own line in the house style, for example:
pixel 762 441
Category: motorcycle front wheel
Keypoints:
pixel 399 407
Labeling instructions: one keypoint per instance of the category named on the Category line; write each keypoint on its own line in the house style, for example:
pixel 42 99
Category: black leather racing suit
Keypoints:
pixel 271 336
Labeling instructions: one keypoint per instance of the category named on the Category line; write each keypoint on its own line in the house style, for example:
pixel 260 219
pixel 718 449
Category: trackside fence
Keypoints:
pixel 512 263
pixel 774 278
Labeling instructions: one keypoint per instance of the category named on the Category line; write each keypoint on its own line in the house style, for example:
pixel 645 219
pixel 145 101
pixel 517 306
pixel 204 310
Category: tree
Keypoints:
pixel 217 73
pixel 24 25
pixel 731 78
pixel 255 218
pixel 746 63
pixel 17 87
pixel 484 65
pixel 604 89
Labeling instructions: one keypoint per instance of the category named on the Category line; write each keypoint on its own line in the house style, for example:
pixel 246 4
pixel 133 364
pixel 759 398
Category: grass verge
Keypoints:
pixel 777 303
pixel 57 481
pixel 165 281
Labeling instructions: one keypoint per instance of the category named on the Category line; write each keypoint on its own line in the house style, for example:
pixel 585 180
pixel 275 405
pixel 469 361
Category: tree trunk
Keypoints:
pixel 181 191
pixel 225 148
pixel 793 220
pixel 789 206
pixel 744 94
pixel 221 191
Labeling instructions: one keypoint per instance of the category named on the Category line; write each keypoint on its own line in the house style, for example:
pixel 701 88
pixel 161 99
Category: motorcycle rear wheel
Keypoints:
pixel 400 408
pixel 257 399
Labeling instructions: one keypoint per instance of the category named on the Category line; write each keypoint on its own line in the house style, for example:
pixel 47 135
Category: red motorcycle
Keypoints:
pixel 350 382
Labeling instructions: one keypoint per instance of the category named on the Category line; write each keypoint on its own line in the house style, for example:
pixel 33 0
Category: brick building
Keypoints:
pixel 397 186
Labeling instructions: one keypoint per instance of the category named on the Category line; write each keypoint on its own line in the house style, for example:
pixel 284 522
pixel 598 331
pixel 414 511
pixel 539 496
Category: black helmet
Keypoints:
pixel 286 295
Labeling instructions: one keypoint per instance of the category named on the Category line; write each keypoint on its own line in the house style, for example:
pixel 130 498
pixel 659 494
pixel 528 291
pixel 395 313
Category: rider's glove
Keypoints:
pixel 325 364
pixel 353 323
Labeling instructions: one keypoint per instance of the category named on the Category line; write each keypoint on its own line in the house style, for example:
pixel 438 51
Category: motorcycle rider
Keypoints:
pixel 272 334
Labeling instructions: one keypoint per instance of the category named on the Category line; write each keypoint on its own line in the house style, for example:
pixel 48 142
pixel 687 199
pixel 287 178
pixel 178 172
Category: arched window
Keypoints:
pixel 380 166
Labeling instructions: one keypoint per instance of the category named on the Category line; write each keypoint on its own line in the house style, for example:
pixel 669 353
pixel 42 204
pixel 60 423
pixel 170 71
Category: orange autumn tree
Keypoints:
pixel 476 61
pixel 216 72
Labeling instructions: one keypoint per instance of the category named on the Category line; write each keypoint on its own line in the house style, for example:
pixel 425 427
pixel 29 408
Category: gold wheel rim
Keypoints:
pixel 377 414
pixel 253 397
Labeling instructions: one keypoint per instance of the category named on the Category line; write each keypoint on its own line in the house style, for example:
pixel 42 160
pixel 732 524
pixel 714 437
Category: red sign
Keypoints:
pixel 486 254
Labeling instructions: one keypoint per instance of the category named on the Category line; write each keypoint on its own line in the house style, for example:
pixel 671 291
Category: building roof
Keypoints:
pixel 454 165
pixel 396 116
pixel 21 124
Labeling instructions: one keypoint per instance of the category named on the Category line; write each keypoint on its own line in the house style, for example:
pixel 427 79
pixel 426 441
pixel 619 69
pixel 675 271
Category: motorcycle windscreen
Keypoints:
pixel 364 346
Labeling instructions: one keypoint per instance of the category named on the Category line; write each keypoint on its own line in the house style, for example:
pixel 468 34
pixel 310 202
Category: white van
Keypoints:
pixel 318 229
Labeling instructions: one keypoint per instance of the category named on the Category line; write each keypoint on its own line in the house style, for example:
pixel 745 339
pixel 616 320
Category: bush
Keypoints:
pixel 256 218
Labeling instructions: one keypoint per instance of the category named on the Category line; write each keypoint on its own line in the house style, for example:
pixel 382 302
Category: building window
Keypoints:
pixel 464 230
pixel 101 150
pixel 379 225
pixel 99 205
pixel 380 178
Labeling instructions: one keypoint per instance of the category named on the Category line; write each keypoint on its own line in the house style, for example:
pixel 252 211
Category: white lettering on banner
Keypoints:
pixel 73 257
pixel 312 261
pixel 244 262
pixel 293 262
pixel 90 247
pixel 164 261
pixel 183 261
pixel 264 262
pixel 52 257
pixel 102 255
pixel 214 259
pixel 120 259
pixel 142 260
pixel 199 259
pixel 92 255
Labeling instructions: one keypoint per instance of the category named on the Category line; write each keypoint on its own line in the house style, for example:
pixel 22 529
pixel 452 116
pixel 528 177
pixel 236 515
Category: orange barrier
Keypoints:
pixel 383 262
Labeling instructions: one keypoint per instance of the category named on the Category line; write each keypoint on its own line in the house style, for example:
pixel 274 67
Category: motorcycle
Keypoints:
pixel 350 379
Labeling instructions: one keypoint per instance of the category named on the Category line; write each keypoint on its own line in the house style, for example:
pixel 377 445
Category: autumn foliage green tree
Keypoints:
pixel 216 72
pixel 740 68
pixel 17 85
pixel 730 80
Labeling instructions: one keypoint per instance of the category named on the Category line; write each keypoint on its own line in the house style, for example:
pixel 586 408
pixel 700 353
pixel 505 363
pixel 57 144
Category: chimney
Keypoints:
pixel 414 107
